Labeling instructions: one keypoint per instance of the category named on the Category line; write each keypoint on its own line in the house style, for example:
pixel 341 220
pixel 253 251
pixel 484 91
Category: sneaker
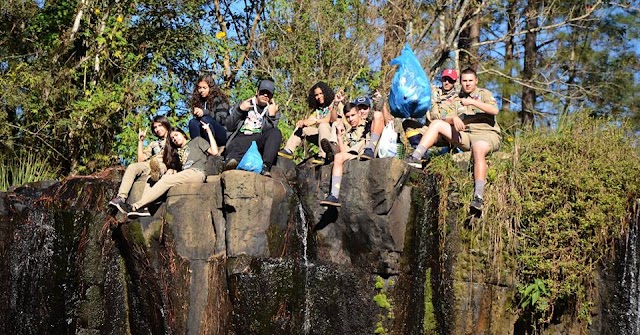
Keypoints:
pixel 155 170
pixel 139 213
pixel 120 204
pixel 265 171
pixel 330 201
pixel 367 154
pixel 476 203
pixel 414 162
pixel 330 149
pixel 317 160
pixel 285 153
pixel 231 164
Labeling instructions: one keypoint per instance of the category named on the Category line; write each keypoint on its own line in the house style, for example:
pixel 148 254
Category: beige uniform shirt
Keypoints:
pixel 475 118
pixel 443 105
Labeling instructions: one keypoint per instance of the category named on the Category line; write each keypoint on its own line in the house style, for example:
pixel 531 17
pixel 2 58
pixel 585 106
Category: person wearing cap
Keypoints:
pixel 322 101
pixel 351 142
pixel 255 119
pixel 473 128
pixel 443 104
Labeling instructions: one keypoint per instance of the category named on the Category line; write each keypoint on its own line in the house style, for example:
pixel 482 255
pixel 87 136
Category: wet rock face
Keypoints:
pixel 246 254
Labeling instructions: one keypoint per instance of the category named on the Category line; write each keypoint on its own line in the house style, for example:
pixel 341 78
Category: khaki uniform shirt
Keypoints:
pixel 443 105
pixel 154 149
pixel 355 137
pixel 475 118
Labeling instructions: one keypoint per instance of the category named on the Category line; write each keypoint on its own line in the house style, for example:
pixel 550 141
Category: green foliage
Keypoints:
pixel 534 294
pixel 554 208
pixel 24 168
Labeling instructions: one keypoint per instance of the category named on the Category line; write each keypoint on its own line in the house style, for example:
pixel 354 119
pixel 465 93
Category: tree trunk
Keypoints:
pixel 394 38
pixel 469 38
pixel 508 53
pixel 530 55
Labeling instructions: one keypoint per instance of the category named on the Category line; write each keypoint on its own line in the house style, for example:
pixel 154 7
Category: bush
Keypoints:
pixel 24 168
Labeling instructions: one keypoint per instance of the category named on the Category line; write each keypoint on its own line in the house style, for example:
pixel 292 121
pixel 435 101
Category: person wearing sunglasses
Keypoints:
pixel 255 119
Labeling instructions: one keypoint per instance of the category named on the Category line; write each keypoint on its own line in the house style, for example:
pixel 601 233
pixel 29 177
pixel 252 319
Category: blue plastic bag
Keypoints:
pixel 410 94
pixel 252 159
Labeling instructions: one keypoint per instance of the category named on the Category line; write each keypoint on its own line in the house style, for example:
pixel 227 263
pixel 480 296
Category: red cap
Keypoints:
pixel 451 73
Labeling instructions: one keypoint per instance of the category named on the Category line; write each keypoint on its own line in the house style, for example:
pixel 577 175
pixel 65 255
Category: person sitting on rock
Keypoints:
pixel 211 106
pixel 187 165
pixel 150 161
pixel 381 116
pixel 473 128
pixel 317 126
pixel 351 142
pixel 255 119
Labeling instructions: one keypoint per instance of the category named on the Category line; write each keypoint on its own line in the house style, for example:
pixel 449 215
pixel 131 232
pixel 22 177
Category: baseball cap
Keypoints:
pixel 267 85
pixel 361 101
pixel 451 73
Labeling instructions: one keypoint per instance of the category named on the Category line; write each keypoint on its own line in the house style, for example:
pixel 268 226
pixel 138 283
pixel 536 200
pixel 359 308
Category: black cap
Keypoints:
pixel 267 85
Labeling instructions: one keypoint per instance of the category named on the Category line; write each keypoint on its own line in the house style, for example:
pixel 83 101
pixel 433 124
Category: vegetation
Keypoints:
pixel 79 77
pixel 553 209
pixel 23 169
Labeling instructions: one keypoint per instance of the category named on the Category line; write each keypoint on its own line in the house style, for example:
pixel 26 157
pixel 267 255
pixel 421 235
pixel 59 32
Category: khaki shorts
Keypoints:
pixel 468 138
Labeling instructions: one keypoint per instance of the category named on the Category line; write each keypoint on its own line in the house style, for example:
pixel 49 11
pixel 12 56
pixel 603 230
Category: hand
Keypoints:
pixel 340 128
pixel 198 112
pixel 170 171
pixel 300 124
pixel 458 124
pixel 466 101
pixel 272 107
pixel 247 104
pixel 205 126
pixel 142 134
pixel 339 97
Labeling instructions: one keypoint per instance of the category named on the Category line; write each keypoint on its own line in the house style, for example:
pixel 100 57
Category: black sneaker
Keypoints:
pixel 142 212
pixel 476 203
pixel 367 154
pixel 120 204
pixel 414 162
pixel 330 201
pixel 330 149
pixel 265 171
pixel 285 153
pixel 231 164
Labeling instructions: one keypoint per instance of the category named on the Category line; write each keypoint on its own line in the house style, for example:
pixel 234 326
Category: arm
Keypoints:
pixel 238 114
pixel 489 107
pixel 213 149
pixel 141 136
pixel 336 106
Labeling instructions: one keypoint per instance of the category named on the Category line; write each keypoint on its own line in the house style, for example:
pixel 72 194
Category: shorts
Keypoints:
pixel 467 139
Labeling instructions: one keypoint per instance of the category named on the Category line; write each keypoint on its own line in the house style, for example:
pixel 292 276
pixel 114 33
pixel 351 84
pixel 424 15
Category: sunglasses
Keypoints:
pixel 265 92
pixel 449 80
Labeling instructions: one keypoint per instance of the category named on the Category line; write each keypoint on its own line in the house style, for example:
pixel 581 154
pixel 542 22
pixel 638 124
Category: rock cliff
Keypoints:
pixel 247 254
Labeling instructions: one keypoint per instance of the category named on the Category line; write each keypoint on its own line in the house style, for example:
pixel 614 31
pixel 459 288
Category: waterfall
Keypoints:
pixel 306 327
pixel 630 281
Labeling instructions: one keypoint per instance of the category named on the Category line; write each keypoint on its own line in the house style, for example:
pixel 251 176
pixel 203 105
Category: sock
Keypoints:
pixel 478 186
pixel 419 152
pixel 373 142
pixel 335 185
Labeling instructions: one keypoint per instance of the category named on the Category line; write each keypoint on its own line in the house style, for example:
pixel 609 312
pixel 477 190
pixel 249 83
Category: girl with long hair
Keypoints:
pixel 186 159
pixel 323 103
pixel 211 106
pixel 149 160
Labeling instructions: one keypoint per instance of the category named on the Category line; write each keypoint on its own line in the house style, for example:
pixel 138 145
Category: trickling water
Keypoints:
pixel 630 283
pixel 307 301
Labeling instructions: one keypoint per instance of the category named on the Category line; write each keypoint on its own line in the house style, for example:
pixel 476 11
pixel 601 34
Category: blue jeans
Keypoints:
pixel 219 132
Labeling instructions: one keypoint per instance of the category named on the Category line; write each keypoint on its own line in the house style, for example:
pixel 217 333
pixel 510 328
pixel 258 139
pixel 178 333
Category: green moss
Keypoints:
pixel 137 235
pixel 553 206
pixel 430 325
